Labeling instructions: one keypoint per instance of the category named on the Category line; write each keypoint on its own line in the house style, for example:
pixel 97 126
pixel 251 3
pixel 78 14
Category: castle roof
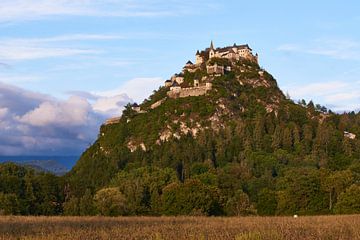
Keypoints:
pixel 189 63
pixel 168 80
pixel 212 45
pixel 224 49
pixel 175 84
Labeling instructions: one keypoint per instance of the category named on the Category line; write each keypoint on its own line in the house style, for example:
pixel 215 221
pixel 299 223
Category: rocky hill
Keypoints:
pixel 222 128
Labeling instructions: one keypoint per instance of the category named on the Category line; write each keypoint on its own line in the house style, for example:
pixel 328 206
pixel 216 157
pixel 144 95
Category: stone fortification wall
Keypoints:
pixel 194 92
pixel 188 92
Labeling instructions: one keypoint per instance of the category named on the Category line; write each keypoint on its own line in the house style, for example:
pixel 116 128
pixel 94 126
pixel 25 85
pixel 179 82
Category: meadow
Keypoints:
pixel 238 228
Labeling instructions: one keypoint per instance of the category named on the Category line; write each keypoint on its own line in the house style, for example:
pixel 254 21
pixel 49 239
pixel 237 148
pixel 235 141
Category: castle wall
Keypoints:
pixel 192 92
pixel 157 104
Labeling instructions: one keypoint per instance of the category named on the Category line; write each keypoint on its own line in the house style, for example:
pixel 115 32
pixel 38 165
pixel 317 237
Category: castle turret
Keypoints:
pixel 212 45
pixel 212 50
pixel 198 58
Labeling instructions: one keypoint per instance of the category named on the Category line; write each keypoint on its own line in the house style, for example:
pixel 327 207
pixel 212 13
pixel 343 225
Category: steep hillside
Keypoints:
pixel 223 129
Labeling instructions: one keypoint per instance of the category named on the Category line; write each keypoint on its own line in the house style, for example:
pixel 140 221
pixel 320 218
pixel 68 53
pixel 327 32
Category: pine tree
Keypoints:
pixel 287 139
pixel 86 204
pixel 259 132
pixel 276 139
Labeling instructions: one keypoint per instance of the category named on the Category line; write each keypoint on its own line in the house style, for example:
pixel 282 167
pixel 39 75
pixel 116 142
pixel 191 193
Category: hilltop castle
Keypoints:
pixel 207 60
pixel 234 52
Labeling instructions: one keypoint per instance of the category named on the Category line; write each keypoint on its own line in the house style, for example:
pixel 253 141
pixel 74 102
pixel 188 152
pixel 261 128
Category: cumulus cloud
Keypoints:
pixel 74 112
pixel 37 124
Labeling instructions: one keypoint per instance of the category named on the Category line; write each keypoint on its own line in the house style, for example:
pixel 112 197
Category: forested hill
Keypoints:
pixel 243 145
pixel 241 148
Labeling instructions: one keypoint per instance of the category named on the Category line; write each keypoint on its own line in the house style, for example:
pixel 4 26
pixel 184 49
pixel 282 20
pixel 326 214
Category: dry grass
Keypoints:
pixel 243 228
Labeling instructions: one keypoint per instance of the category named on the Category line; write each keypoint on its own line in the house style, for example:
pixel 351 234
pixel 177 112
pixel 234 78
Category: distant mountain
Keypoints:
pixel 59 165
pixel 51 166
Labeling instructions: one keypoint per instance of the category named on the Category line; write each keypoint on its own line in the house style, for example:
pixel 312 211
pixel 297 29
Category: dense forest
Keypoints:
pixel 243 149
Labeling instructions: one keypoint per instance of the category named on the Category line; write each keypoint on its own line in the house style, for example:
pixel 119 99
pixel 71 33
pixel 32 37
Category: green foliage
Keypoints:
pixel 86 204
pixel 191 198
pixel 349 201
pixel 71 207
pixel 110 202
pixel 28 193
pixel 299 192
pixel 142 188
pixel 240 146
pixel 239 205
pixel 9 204
pixel 266 202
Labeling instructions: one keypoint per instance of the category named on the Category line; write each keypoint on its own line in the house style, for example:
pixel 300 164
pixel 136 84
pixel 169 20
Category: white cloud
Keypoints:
pixel 63 38
pixel 335 48
pixel 20 10
pixel 14 49
pixel 111 106
pixel 137 88
pixel 3 112
pixel 13 52
pixel 34 123
pixel 319 89
pixel 11 78
pixel 340 95
pixel 73 112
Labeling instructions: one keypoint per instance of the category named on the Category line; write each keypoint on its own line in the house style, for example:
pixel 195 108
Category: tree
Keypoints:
pixel 9 204
pixel 349 201
pixel 239 205
pixel 30 198
pixel 259 131
pixel 287 139
pixel 86 204
pixel 71 207
pixel 191 198
pixel 307 138
pixel 110 202
pixel 336 183
pixel 276 139
pixel 142 188
pixel 299 191
pixel 266 202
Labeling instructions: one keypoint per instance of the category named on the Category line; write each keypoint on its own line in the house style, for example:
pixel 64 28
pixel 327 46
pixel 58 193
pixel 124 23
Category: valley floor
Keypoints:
pixel 315 227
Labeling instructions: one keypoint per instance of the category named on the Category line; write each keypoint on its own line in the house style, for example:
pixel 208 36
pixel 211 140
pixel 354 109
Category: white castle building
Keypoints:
pixel 232 53
pixel 235 52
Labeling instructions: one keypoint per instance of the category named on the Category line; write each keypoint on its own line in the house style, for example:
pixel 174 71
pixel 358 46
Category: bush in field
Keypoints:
pixel 110 202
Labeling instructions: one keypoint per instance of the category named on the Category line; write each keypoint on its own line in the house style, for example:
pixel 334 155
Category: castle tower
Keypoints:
pixel 199 58
pixel 212 50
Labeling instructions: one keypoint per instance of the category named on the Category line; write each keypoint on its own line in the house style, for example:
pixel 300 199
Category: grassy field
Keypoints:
pixel 317 227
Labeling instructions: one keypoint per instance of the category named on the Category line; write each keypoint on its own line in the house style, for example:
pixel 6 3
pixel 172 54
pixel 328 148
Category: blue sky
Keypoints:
pixel 97 55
